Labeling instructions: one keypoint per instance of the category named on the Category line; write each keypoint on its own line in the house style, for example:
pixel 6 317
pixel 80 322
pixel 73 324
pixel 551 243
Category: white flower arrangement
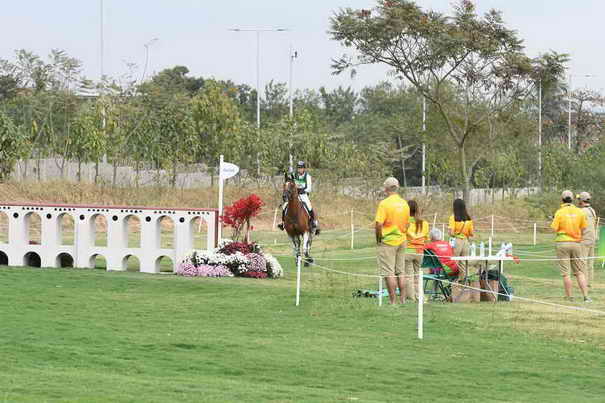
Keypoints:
pixel 274 269
pixel 238 263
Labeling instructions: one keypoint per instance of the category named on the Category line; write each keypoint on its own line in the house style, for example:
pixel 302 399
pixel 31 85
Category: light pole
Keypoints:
pixel 258 32
pixel 293 55
pixel 423 145
pixel 540 129
pixel 147 45
pixel 102 39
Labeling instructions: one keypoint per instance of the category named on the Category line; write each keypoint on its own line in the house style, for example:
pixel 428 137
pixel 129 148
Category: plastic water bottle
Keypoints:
pixel 473 249
pixel 482 249
pixel 453 242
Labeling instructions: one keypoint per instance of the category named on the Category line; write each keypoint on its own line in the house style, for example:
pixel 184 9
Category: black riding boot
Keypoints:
pixel 283 219
pixel 314 222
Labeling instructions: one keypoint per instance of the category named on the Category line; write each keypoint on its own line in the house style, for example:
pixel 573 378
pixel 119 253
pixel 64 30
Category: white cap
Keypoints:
pixel 391 182
pixel 584 196
pixel 567 194
pixel 436 234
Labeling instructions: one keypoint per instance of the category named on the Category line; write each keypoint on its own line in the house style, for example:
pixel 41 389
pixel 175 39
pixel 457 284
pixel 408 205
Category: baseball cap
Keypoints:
pixel 391 182
pixel 567 194
pixel 584 196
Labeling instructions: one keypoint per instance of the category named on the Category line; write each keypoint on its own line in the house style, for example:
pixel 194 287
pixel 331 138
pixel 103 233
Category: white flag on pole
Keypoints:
pixel 228 170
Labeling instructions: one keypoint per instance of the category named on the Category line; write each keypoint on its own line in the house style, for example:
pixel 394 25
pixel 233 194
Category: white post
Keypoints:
pixel 492 225
pixel 220 198
pixel 380 291
pixel 352 230
pixel 420 306
pixel 535 232
pixel 274 220
pixel 435 219
pixel 443 230
pixel 298 259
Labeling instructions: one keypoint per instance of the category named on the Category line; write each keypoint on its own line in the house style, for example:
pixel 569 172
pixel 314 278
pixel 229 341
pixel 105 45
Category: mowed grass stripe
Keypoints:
pixel 76 335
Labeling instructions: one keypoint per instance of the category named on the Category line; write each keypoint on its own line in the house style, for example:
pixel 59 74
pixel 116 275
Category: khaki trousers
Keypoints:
pixel 413 260
pixel 571 258
pixel 588 250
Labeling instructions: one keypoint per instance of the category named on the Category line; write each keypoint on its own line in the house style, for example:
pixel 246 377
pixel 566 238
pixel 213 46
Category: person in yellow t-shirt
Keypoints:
pixel 461 229
pixel 417 235
pixel 391 225
pixel 568 224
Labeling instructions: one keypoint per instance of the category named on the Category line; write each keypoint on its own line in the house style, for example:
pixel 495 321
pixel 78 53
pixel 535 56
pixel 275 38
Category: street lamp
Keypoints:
pixel 258 32
pixel 540 128
pixel 423 145
pixel 102 39
pixel 147 45
pixel 293 55
pixel 569 108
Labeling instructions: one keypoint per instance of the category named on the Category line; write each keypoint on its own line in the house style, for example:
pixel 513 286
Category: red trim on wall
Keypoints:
pixel 106 207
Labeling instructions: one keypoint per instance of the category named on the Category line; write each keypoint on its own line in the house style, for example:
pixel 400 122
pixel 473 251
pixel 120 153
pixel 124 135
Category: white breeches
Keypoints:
pixel 303 198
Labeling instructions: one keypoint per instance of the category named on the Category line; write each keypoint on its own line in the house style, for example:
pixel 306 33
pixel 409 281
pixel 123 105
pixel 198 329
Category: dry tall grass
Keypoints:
pixel 333 208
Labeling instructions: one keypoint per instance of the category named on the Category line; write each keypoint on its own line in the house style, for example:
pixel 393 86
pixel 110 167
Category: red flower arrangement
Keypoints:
pixel 240 213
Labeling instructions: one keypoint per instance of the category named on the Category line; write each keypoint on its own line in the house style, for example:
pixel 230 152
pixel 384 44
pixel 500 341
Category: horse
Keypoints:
pixel 297 222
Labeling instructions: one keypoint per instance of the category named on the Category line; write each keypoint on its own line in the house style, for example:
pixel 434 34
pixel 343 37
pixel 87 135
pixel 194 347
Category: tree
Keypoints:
pixel 469 68
pixel 13 145
pixel 177 137
pixel 218 125
pixel 339 104
pixel 587 117
pixel 86 142
pixel 173 81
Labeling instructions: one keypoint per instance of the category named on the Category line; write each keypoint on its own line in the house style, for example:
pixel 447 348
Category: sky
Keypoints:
pixel 195 33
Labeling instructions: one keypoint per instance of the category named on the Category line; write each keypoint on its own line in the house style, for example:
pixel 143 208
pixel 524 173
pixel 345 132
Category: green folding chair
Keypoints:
pixel 442 288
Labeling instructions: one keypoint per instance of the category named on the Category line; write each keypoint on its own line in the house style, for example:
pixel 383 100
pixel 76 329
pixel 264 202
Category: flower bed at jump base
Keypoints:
pixel 239 259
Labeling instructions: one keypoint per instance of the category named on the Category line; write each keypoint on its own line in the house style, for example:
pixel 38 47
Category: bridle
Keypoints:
pixel 287 192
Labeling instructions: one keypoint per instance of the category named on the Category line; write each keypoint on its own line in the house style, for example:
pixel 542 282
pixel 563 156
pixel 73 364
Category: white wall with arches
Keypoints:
pixel 37 235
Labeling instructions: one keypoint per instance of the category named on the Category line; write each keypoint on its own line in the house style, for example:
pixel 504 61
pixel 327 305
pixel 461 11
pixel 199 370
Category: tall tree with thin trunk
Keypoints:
pixel 475 61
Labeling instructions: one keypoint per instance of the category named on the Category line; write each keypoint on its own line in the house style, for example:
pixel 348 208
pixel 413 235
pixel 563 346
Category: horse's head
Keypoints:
pixel 289 188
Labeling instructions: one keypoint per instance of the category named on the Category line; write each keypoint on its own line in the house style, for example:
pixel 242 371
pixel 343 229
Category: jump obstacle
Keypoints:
pixel 50 252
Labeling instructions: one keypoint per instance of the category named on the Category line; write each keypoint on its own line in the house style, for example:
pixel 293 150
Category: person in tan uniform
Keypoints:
pixel 589 235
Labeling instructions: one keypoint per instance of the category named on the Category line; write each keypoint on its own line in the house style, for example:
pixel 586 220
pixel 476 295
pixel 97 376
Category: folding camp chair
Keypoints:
pixel 442 289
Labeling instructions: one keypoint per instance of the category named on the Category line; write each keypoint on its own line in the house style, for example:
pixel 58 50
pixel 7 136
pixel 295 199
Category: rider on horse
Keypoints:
pixel 303 183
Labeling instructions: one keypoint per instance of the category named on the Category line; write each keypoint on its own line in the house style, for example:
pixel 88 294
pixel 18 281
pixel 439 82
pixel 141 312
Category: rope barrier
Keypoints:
pixel 576 308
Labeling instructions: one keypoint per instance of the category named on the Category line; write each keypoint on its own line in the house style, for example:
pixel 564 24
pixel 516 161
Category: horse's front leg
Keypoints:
pixel 307 247
pixel 295 245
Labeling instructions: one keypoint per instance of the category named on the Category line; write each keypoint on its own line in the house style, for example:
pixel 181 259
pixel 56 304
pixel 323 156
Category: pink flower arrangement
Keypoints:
pixel 204 270
pixel 257 262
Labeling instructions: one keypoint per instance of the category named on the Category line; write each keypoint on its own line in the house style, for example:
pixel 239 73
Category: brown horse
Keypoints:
pixel 296 222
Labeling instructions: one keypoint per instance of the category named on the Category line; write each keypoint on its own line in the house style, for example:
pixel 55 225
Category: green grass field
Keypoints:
pixel 95 336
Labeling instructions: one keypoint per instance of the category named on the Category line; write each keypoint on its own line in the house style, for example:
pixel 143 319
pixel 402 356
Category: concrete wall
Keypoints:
pixel 196 176
pixel 49 169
